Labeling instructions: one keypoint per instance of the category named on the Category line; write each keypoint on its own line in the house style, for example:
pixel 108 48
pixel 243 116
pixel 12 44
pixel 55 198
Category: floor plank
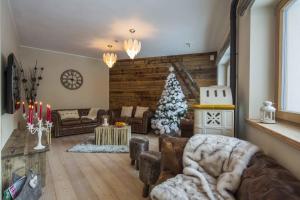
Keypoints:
pixel 62 183
pixel 79 182
pixel 107 176
pixel 49 191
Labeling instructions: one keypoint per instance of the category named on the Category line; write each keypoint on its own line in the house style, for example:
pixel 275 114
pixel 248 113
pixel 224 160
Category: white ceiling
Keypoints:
pixel 86 27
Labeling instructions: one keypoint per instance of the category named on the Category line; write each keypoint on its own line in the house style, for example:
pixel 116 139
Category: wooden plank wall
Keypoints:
pixel 141 81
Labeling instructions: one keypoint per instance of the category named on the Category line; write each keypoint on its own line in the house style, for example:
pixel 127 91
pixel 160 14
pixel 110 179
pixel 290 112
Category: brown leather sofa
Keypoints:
pixel 263 179
pixel 138 125
pixel 75 126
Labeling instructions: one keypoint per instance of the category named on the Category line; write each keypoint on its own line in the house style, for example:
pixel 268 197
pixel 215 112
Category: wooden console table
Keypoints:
pixel 19 156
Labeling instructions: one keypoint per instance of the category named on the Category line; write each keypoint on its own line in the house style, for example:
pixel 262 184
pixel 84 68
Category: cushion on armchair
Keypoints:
pixel 126 111
pixel 140 111
pixel 172 150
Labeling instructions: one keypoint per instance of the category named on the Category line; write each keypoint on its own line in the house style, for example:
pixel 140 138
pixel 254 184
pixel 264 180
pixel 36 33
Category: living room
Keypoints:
pixel 131 100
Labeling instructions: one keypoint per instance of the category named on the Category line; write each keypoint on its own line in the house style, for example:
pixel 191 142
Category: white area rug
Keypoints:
pixel 88 146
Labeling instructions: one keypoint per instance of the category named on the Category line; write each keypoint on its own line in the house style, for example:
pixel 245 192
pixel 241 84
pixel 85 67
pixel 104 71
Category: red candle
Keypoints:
pixel 41 110
pixel 35 106
pixel 23 107
pixel 28 114
pixel 50 117
pixel 47 113
pixel 17 106
pixel 31 114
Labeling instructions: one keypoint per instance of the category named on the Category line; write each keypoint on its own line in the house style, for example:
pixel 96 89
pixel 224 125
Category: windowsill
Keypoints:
pixel 284 131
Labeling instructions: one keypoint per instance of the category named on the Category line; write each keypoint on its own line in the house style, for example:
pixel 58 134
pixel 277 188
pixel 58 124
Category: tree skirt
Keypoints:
pixel 88 146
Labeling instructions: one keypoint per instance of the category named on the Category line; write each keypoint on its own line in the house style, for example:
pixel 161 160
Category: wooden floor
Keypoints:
pixel 84 176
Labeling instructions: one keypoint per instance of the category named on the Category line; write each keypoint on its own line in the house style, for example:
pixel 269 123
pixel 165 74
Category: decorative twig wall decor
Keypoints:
pixel 31 81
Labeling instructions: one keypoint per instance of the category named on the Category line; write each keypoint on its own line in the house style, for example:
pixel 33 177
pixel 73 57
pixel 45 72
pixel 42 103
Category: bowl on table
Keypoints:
pixel 120 124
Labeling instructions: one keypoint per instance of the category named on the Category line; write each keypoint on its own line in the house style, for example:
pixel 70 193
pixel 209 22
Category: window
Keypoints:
pixel 288 51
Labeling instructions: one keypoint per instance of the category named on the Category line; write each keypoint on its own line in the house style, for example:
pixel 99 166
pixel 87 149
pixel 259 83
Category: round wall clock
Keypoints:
pixel 71 79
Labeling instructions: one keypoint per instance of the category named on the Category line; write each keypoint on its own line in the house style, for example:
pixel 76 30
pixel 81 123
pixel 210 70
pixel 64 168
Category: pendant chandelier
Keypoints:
pixel 132 46
pixel 109 58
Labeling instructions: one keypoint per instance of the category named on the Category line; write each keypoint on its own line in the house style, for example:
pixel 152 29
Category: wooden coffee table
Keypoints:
pixel 112 135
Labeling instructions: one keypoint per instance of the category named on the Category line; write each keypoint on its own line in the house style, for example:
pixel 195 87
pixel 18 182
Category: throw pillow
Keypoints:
pixel 172 151
pixel 126 111
pixel 67 114
pixel 140 111
pixel 92 114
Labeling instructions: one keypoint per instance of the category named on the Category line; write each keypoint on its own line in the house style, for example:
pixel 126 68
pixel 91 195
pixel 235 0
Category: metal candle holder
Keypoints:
pixel 38 128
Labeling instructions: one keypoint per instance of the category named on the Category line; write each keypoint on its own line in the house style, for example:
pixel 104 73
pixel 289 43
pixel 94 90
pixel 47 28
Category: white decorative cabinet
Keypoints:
pixel 216 117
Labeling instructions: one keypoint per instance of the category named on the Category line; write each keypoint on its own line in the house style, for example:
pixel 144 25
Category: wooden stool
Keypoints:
pixel 136 146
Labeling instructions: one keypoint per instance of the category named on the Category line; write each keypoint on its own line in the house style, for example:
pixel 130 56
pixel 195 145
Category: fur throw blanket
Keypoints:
pixel 213 166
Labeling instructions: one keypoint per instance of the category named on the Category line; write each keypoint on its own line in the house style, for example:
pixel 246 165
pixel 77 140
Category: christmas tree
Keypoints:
pixel 171 108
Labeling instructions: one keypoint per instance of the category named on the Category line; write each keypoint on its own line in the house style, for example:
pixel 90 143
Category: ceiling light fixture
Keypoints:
pixel 132 46
pixel 110 58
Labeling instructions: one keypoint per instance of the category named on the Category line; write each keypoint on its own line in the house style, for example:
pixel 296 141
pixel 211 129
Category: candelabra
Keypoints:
pixel 39 127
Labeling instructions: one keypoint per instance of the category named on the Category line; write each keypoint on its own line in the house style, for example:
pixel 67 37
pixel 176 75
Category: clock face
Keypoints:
pixel 71 79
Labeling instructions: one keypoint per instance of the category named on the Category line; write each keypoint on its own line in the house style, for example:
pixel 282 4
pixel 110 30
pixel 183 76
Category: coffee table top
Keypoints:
pixel 113 126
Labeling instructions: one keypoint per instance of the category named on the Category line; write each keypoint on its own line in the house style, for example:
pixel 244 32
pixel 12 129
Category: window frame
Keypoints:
pixel 284 115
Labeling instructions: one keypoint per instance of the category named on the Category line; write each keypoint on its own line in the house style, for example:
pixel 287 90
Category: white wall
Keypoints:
pixel 262 58
pixel 9 44
pixel 256 81
pixel 222 68
pixel 93 93
pixel 285 154
pixel 222 74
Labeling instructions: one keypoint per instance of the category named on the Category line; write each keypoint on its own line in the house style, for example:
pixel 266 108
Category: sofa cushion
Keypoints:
pixel 140 111
pixel 88 121
pixel 69 121
pixel 93 112
pixel 126 111
pixel 68 114
pixel 266 179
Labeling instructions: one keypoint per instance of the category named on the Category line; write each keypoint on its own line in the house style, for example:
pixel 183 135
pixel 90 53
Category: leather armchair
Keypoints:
pixel 161 165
